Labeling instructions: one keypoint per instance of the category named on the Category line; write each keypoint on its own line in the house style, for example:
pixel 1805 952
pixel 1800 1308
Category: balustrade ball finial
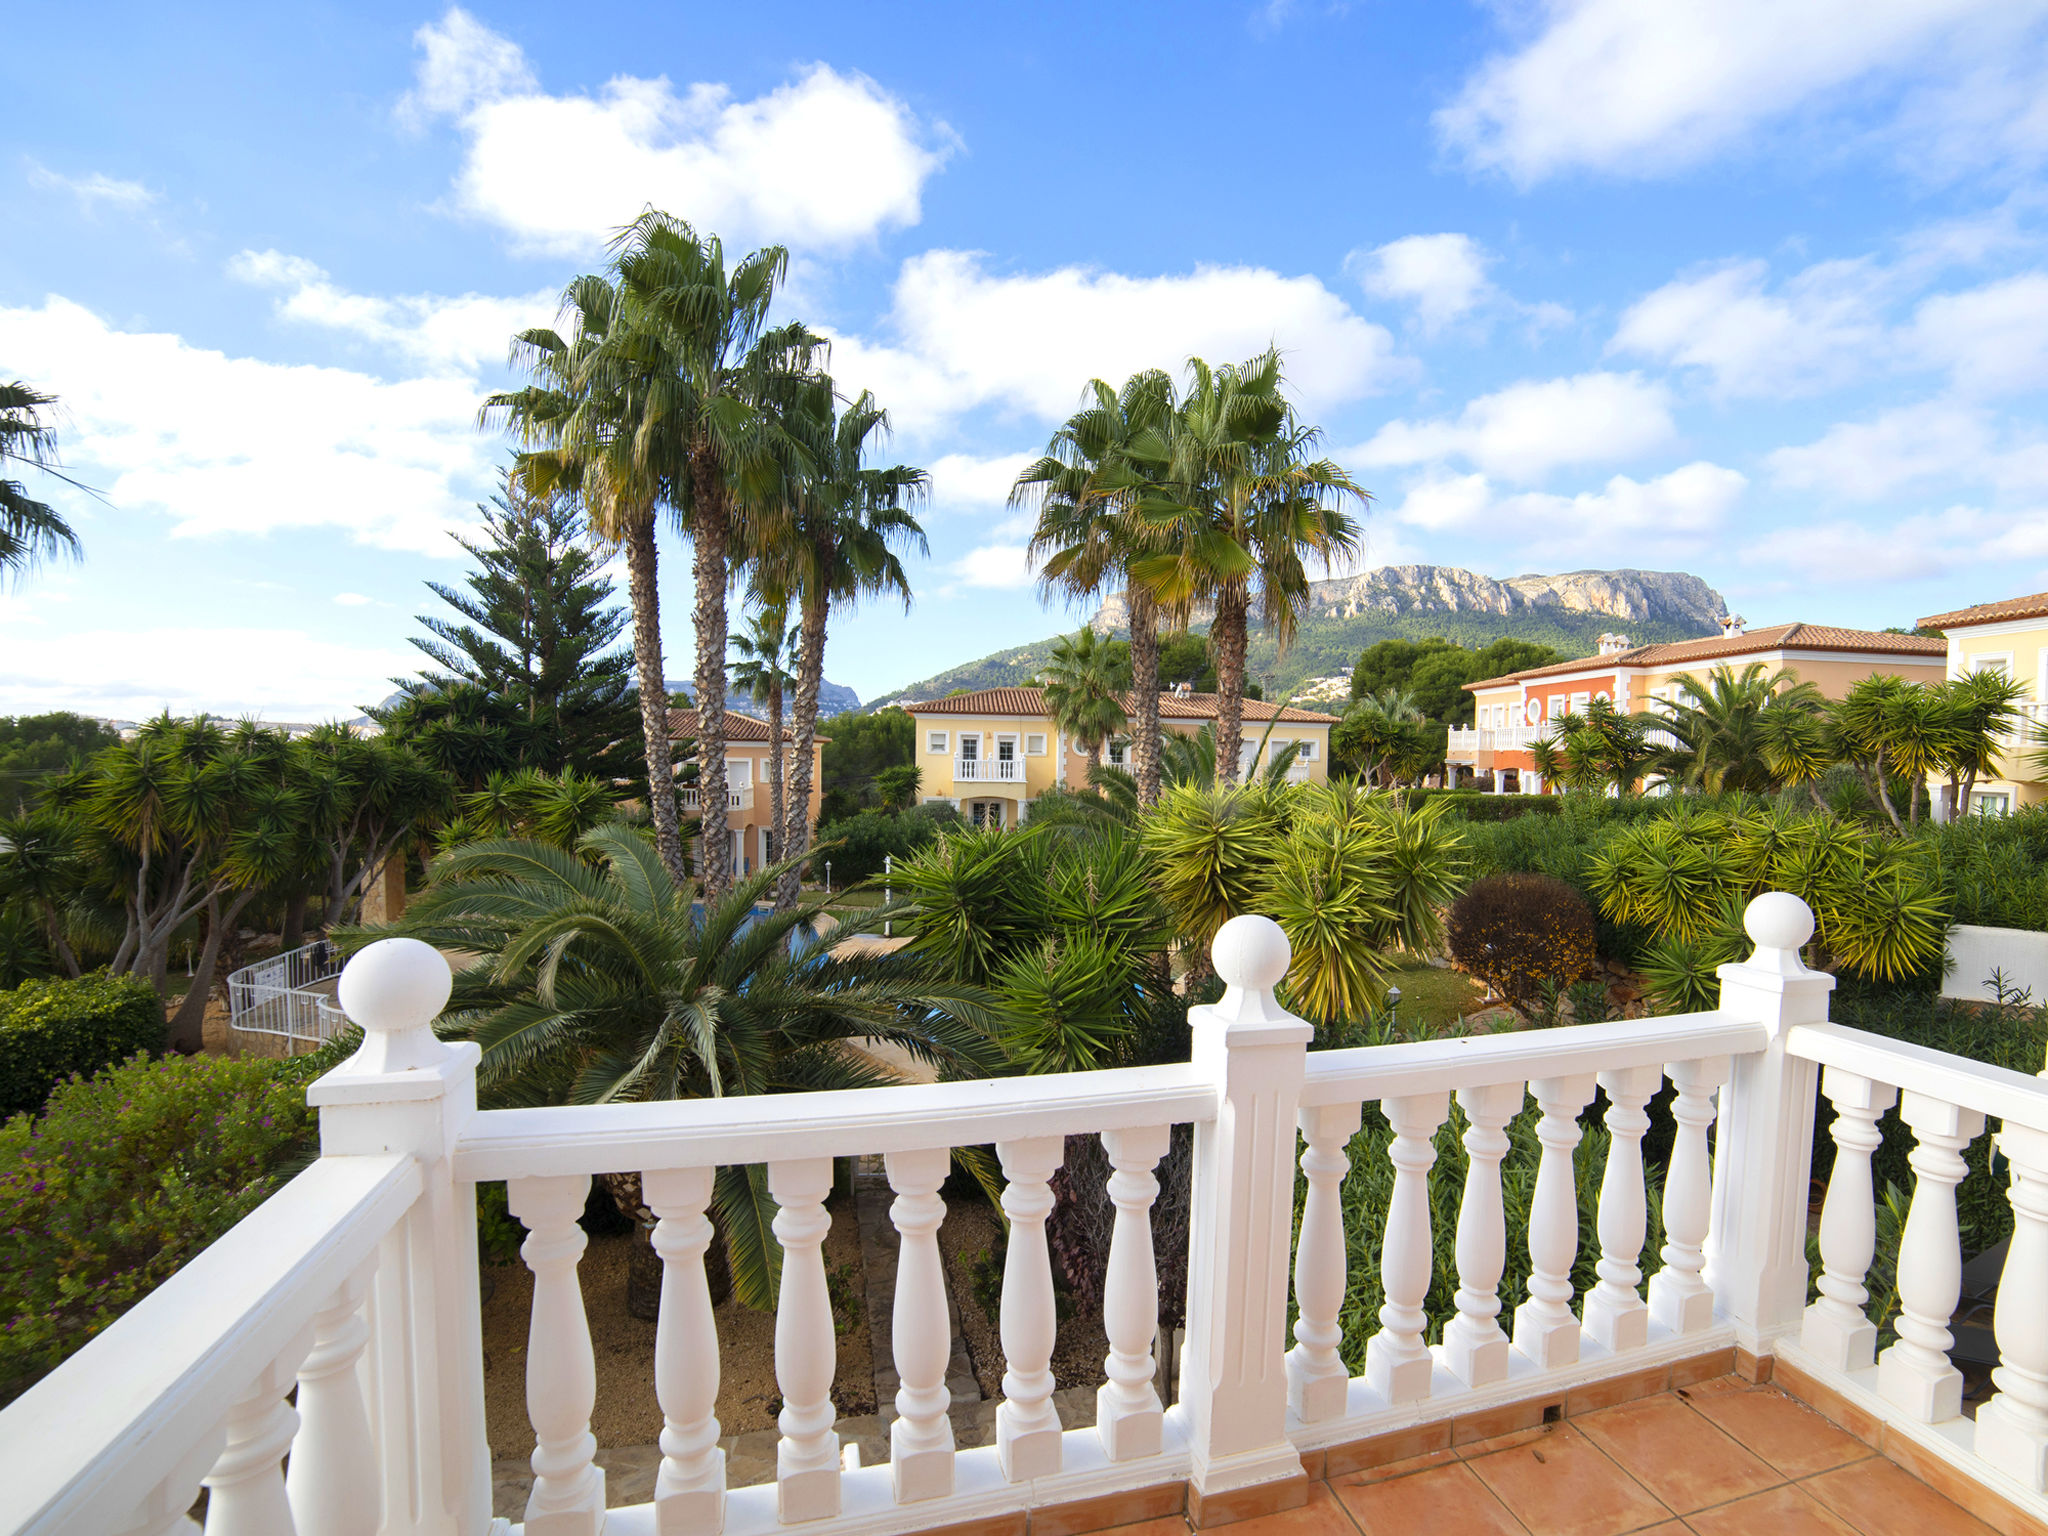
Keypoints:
pixel 1251 953
pixel 1778 920
pixel 395 989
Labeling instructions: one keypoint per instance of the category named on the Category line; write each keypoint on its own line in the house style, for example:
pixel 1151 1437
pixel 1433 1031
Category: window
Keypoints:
pixel 1579 702
pixel 1034 745
pixel 1116 754
pixel 1557 704
pixel 739 772
pixel 2000 663
pixel 1006 749
pixel 970 746
pixel 935 742
pixel 1276 746
pixel 1990 805
pixel 1308 752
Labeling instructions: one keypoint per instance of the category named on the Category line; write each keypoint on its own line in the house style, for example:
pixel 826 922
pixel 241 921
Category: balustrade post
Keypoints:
pixel 245 1489
pixel 1475 1349
pixel 333 1484
pixel 1615 1312
pixel 406 1091
pixel 1397 1362
pixel 1680 1298
pixel 921 1439
pixel 1317 1380
pixel 1233 1383
pixel 2012 1429
pixel 1915 1372
pixel 806 1345
pixel 1756 1239
pixel 1836 1330
pixel 1028 1440
pixel 561 1371
pixel 1128 1414
pixel 689 1490
pixel 1546 1331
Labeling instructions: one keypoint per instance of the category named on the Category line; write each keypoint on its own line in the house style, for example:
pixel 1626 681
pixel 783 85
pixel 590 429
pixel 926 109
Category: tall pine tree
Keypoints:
pixel 527 676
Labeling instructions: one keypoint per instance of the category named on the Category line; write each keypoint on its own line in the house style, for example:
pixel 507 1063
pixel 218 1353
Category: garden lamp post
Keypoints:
pixel 1393 1005
pixel 828 877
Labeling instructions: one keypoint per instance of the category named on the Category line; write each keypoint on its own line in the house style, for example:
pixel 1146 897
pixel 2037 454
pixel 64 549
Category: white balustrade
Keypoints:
pixel 1546 1331
pixel 1475 1348
pixel 561 1372
pixel 333 1485
pixel 1128 1414
pixel 1317 1380
pixel 921 1439
pixel 1915 1373
pixel 807 1462
pixel 2012 1429
pixel 1615 1314
pixel 1397 1362
pixel 689 1490
pixel 1680 1298
pixel 1028 1435
pixel 1836 1329
pixel 245 1490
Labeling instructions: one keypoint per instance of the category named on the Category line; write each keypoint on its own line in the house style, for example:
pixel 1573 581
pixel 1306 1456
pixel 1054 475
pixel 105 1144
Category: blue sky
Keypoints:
pixel 1752 288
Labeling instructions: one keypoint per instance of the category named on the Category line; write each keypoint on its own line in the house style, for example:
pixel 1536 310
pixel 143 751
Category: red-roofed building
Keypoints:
pixel 749 817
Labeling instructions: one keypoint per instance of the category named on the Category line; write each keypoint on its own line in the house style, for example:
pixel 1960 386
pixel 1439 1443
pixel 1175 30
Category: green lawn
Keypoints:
pixel 1433 999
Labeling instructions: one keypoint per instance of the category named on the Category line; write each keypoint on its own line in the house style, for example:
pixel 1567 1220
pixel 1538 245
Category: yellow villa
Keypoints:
pixel 989 752
pixel 2009 637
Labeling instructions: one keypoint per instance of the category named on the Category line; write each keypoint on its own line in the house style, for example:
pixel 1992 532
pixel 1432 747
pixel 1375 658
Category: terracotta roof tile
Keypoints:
pixel 985 701
pixel 1777 637
pixel 2030 607
pixel 738 727
pixel 1031 701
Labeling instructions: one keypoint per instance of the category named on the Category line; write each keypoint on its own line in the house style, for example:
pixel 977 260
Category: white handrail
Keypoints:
pixel 2013 1097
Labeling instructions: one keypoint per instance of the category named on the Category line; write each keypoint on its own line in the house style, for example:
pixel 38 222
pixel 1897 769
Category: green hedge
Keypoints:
pixel 50 1029
pixel 1477 805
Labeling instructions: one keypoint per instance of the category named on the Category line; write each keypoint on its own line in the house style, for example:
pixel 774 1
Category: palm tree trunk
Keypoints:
pixel 810 668
pixel 710 534
pixel 1144 691
pixel 1228 637
pixel 647 662
pixel 775 758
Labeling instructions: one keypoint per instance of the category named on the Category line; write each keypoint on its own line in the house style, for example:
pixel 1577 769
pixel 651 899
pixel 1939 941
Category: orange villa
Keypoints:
pixel 1515 711
pixel 748 813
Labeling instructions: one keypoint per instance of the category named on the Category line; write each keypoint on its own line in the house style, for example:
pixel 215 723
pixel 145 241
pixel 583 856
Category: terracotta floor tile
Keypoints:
pixel 1880 1499
pixel 1322 1515
pixel 1504 1442
pixel 1172 1525
pixel 1448 1501
pixel 1782 1430
pixel 1401 1468
pixel 1783 1511
pixel 1561 1485
pixel 1679 1456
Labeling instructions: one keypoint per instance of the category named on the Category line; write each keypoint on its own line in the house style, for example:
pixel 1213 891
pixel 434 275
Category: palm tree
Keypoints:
pixel 1082 684
pixel 767 644
pixel 1089 494
pixel 1727 729
pixel 595 422
pixel 732 372
pixel 835 542
pixel 30 530
pixel 598 982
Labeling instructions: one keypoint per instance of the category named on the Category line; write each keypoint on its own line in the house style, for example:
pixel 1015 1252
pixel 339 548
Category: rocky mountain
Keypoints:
pixel 1568 611
pixel 833 698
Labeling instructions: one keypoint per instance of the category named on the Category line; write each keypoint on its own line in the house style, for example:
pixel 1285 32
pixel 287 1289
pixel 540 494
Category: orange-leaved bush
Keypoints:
pixel 1517 932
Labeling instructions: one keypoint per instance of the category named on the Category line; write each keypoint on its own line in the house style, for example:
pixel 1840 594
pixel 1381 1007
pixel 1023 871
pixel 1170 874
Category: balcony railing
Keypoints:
pixel 740 799
pixel 289 995
pixel 988 770
pixel 1470 740
pixel 355 1287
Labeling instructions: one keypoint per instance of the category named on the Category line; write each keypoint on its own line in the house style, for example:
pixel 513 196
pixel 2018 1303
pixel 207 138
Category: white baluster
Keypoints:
pixel 1835 1329
pixel 1128 1416
pixel 1680 1298
pixel 1317 1380
pixel 2012 1429
pixel 689 1490
pixel 333 1483
pixel 561 1373
pixel 1475 1349
pixel 806 1347
pixel 921 1439
pixel 1914 1373
pixel 245 1489
pixel 1027 1425
pixel 1545 1329
pixel 1616 1314
pixel 1397 1362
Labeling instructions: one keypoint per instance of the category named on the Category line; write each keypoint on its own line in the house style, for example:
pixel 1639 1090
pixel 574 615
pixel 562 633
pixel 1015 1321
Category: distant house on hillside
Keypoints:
pixel 990 751
pixel 749 818
pixel 1515 711
pixel 2009 637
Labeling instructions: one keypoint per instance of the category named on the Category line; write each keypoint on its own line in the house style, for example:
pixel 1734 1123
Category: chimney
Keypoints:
pixel 1731 626
pixel 1613 645
pixel 1183 690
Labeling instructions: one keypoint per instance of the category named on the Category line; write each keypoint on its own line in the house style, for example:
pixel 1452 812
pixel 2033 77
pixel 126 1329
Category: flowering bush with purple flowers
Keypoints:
pixel 122 1179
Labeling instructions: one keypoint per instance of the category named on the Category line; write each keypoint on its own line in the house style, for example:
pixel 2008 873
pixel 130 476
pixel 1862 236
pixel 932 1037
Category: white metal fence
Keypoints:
pixel 289 995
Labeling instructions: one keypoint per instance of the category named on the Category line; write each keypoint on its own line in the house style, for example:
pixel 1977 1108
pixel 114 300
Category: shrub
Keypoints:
pixel 125 1177
pixel 1517 932
pixel 867 838
pixel 53 1028
pixel 1478 805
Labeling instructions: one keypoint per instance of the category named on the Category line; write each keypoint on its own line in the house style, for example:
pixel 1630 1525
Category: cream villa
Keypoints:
pixel 989 752
pixel 749 815
pixel 1515 711
pixel 2009 637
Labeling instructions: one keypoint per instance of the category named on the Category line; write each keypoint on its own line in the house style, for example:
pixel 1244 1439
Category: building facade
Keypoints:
pixel 2009 637
pixel 1512 713
pixel 989 752
pixel 749 814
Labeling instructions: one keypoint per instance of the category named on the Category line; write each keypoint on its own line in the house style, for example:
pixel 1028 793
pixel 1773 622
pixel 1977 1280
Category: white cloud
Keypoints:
pixel 281 674
pixel 1622 87
pixel 235 445
pixel 959 337
pixel 464 334
pixel 1005 566
pixel 353 600
pixel 1443 276
pixel 1993 338
pixel 1864 460
pixel 962 481
pixel 1912 548
pixel 1528 429
pixel 1684 504
pixel 94 191
pixel 826 160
